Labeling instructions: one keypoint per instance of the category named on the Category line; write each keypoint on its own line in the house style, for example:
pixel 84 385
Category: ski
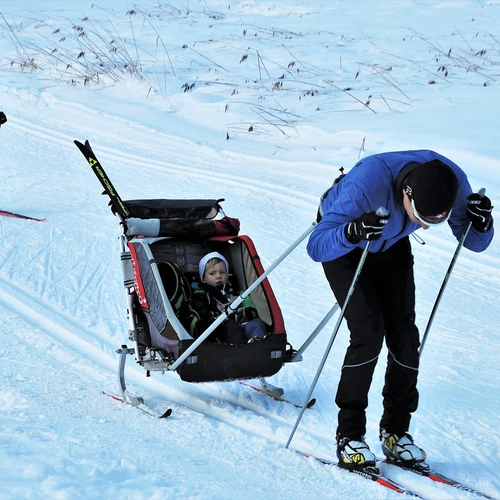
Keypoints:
pixel 139 404
pixel 4 213
pixel 278 395
pixel 423 469
pixel 115 201
pixel 369 472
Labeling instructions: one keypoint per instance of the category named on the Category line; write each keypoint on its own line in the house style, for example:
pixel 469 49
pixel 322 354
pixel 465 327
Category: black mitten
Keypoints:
pixel 367 227
pixel 479 211
pixel 247 312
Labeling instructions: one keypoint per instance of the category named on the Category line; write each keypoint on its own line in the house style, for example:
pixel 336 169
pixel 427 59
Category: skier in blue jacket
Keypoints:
pixel 418 189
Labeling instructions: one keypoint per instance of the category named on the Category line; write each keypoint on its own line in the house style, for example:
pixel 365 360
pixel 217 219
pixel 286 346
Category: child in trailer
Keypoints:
pixel 213 294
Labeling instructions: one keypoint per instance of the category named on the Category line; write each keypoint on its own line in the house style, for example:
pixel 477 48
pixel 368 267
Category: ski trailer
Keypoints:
pixel 161 245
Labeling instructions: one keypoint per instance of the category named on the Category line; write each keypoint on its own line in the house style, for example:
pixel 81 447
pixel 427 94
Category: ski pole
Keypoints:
pixel 298 355
pixel 380 211
pixel 445 281
pixel 330 343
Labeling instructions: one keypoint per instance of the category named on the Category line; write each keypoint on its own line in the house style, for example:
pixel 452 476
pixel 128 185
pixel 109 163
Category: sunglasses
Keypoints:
pixel 432 220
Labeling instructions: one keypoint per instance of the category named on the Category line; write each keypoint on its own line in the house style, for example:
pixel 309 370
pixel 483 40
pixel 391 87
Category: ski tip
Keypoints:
pixel 81 145
pixel 112 396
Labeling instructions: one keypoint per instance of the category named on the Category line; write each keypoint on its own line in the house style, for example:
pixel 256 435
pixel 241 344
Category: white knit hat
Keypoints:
pixel 206 258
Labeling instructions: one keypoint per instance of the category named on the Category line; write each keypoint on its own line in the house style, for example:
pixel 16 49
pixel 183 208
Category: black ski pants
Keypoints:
pixel 382 306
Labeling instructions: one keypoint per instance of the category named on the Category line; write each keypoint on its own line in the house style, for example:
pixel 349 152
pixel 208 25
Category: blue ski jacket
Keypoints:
pixel 371 184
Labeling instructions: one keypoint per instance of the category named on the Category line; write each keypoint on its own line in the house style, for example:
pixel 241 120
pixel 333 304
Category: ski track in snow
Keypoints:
pixel 62 329
pixel 132 162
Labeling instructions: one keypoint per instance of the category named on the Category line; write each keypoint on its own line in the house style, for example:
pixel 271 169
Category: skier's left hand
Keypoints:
pixel 479 211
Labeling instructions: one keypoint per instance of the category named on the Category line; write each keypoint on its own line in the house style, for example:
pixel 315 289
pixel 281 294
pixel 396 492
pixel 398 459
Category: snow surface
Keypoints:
pixel 321 84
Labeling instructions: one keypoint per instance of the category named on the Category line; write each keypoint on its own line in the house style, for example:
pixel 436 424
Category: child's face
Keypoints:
pixel 216 275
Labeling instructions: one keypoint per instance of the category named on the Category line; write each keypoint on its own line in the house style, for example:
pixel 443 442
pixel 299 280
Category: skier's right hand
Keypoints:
pixel 368 226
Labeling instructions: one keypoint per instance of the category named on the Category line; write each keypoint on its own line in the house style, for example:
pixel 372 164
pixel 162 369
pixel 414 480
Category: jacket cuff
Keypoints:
pixel 350 235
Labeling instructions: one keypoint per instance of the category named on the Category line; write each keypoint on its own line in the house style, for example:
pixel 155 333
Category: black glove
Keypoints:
pixel 247 312
pixel 479 211
pixel 367 227
pixel 3 118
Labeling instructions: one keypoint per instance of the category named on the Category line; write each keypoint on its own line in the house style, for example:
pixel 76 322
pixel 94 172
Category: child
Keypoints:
pixel 212 295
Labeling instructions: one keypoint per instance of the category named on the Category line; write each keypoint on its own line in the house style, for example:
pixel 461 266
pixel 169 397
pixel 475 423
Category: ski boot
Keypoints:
pixel 401 448
pixel 354 453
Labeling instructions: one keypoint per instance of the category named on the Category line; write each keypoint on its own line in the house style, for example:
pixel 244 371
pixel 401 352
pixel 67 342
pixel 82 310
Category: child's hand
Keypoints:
pixel 247 312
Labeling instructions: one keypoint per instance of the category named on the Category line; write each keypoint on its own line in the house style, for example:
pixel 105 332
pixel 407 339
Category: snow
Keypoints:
pixel 322 84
